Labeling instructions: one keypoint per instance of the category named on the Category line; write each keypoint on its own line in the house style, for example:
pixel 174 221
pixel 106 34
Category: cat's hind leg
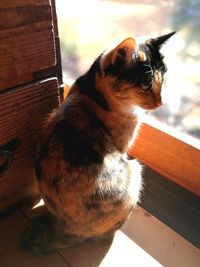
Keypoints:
pixel 45 234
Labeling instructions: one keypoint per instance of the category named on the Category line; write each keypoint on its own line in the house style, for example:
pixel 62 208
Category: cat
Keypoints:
pixel 88 184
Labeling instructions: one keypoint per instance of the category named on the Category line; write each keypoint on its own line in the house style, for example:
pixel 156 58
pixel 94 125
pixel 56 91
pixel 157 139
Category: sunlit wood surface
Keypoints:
pixel 143 241
pixel 175 157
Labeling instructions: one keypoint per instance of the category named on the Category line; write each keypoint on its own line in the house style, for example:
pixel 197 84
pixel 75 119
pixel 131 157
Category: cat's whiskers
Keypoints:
pixel 148 65
pixel 150 71
pixel 162 68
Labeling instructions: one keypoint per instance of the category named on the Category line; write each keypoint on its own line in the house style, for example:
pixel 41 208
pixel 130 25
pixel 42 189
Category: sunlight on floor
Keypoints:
pixel 129 251
pixel 125 247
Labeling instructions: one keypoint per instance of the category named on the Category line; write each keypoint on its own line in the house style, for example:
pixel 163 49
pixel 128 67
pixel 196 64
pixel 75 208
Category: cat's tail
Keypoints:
pixel 45 234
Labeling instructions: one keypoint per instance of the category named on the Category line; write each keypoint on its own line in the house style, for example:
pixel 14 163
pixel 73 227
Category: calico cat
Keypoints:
pixel 88 184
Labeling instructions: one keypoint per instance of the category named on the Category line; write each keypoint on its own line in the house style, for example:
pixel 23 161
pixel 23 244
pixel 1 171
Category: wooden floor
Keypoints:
pixel 144 241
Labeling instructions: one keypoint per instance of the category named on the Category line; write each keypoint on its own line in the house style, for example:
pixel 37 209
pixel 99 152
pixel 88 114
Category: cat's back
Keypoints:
pixel 82 134
pixel 73 136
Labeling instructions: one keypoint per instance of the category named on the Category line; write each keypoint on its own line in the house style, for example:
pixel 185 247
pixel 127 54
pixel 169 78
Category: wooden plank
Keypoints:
pixel 121 252
pixel 169 156
pixel 24 30
pixel 11 253
pixel 55 19
pixel 19 16
pixel 66 89
pixel 22 3
pixel 22 114
pixel 172 204
pixel 57 43
pixel 21 56
pixel 162 243
pixel 27 42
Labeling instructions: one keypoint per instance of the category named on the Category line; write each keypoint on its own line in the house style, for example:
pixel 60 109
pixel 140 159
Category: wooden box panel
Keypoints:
pixel 22 114
pixel 27 41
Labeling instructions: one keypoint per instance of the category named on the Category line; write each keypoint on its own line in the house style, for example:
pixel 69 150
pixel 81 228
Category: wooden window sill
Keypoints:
pixel 172 154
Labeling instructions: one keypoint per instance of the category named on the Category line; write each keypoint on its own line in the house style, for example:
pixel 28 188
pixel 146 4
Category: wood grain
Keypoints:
pixel 19 16
pixel 22 114
pixel 55 19
pixel 27 41
pixel 169 156
pixel 22 3
pixel 11 253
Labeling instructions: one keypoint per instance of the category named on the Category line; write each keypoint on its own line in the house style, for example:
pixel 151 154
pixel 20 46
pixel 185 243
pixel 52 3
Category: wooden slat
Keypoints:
pixel 41 26
pixel 162 243
pixel 54 16
pixel 27 41
pixel 22 114
pixel 65 91
pixel 172 204
pixel 169 156
pixel 19 16
pixel 22 3
pixel 21 56
pixel 11 253
pixel 57 43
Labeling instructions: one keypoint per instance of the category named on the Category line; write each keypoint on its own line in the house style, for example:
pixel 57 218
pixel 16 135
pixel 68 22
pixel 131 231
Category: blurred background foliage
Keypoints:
pixel 186 16
pixel 87 27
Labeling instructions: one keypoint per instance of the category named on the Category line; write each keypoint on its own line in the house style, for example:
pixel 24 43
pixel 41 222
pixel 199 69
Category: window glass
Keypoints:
pixel 87 27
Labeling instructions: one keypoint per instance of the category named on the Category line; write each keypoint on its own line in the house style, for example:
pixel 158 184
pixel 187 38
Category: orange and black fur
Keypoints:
pixel 87 184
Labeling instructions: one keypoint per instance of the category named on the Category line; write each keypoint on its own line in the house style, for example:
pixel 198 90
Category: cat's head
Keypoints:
pixel 135 72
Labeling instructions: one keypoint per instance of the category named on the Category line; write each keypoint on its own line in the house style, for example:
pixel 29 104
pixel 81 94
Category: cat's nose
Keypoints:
pixel 158 100
pixel 159 103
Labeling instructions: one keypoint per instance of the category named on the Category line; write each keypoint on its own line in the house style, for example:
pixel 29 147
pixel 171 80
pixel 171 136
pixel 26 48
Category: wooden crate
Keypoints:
pixel 29 90
pixel 27 41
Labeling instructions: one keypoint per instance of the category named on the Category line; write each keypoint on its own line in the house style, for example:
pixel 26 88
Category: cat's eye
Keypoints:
pixel 148 75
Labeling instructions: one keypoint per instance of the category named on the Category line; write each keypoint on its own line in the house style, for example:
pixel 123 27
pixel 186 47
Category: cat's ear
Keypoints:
pixel 122 53
pixel 160 41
